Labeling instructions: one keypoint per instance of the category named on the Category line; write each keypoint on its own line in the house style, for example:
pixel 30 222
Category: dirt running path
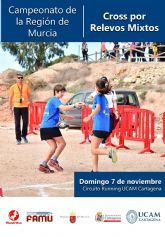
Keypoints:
pixel 19 175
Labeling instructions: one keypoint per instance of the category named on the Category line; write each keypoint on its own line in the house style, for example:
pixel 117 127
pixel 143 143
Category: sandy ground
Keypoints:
pixel 19 175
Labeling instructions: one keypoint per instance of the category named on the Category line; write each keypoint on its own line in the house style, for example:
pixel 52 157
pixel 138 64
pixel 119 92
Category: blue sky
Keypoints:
pixel 8 61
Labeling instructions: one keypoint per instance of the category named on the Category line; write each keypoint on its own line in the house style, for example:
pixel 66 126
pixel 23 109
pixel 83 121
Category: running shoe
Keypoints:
pixel 18 142
pixel 55 165
pixel 25 139
pixel 113 154
pixel 45 169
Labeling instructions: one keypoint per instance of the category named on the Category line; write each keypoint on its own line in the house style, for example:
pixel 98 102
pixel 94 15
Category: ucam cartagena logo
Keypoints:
pixel 132 216
pixel 39 217
pixel 13 217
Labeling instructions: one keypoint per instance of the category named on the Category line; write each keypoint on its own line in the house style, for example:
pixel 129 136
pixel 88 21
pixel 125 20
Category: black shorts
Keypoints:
pixel 49 133
pixel 101 134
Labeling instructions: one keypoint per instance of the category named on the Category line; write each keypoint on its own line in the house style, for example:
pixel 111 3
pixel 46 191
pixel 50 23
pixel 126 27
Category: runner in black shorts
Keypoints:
pixel 112 104
pixel 101 124
pixel 49 130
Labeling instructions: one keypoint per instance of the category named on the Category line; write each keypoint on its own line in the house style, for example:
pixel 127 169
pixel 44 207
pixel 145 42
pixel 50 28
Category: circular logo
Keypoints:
pixel 13 215
pixel 131 216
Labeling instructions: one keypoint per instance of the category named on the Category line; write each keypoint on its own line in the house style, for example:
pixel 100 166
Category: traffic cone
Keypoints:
pixel 1 193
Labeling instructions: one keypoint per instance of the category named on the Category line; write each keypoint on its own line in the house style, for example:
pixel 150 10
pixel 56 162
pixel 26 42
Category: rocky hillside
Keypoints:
pixel 148 79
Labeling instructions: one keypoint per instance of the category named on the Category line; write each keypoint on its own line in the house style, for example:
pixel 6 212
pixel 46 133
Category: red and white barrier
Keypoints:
pixel 134 124
pixel 1 192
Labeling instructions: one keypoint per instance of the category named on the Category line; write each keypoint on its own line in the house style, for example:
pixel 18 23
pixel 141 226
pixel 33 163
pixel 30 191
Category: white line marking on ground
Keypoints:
pixel 6 128
pixel 41 193
pixel 41 186
pixel 62 188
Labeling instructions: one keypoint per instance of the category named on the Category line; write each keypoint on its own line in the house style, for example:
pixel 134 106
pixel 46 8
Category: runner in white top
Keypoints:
pixel 111 97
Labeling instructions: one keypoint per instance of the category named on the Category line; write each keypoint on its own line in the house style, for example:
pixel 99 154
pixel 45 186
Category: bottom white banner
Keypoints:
pixel 82 216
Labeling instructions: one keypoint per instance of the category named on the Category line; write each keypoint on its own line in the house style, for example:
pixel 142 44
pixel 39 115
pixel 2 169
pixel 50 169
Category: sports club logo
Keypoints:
pixel 72 217
pixel 131 216
pixel 39 217
pixel 13 217
pixel 100 217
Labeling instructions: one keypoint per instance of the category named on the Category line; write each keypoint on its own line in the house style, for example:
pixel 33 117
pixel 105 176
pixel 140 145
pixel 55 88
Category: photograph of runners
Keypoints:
pixel 78 107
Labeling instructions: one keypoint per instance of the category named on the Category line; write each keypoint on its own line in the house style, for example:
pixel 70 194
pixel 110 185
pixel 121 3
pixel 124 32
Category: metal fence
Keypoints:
pixel 130 54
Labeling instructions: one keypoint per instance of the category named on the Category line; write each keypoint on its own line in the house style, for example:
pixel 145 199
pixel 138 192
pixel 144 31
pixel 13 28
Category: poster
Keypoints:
pixel 60 42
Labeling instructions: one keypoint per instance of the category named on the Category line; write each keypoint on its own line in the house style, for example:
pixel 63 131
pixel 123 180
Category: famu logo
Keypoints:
pixel 132 216
pixel 39 217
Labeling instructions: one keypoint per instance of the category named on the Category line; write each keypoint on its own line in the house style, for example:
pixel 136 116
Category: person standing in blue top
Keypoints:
pixel 101 124
pixel 49 130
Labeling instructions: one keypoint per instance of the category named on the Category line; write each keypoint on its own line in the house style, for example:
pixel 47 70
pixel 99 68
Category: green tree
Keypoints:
pixel 34 55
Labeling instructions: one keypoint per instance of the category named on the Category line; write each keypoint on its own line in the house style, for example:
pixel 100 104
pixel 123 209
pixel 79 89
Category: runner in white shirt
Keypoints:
pixel 111 97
